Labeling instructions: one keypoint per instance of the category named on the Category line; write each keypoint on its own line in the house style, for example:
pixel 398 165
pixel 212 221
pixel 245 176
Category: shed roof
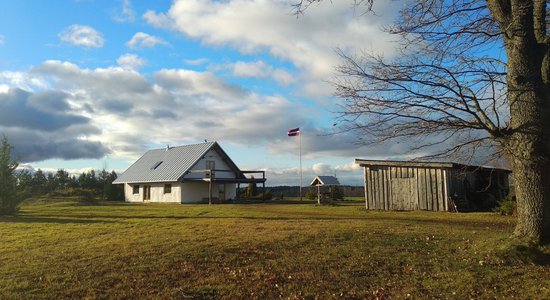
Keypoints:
pixel 325 180
pixel 170 163
pixel 420 164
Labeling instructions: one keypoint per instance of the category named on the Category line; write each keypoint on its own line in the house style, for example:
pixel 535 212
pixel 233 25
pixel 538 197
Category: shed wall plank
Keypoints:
pixel 445 190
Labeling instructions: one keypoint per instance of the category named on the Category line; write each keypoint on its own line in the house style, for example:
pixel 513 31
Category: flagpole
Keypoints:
pixel 301 175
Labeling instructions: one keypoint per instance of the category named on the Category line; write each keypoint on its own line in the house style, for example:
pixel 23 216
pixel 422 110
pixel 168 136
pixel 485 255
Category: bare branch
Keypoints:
pixel 300 6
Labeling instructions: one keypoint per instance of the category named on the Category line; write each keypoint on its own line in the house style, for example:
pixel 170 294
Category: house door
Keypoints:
pixel 221 190
pixel 146 192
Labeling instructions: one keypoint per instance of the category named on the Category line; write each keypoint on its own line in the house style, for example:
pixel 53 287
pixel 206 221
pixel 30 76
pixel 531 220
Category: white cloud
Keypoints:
pixel 22 80
pixel 260 69
pixel 131 111
pixel 159 20
pixel 173 106
pixel 120 112
pixel 142 39
pixel 268 26
pixel 131 62
pixel 82 35
pixel 71 171
pixel 126 13
pixel 253 69
pixel 196 62
pixel 2 40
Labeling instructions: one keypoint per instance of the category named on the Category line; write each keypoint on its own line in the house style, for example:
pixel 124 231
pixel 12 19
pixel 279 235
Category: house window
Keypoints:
pixel 135 189
pixel 167 188
pixel 210 165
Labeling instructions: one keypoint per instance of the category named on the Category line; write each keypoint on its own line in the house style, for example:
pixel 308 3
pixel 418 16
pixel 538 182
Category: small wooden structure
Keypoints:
pixel 434 186
pixel 320 181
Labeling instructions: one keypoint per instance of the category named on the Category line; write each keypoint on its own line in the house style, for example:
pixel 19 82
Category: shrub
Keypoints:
pixel 311 194
pixel 268 195
pixel 507 206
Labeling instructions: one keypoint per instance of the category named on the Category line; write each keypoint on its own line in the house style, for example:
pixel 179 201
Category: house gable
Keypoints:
pixel 215 158
pixel 325 180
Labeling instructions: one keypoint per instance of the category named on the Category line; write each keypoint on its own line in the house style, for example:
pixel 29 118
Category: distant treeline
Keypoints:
pixel 294 191
pixel 89 184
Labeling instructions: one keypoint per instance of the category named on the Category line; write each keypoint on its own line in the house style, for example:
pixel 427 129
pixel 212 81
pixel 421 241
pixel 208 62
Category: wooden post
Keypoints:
pixel 318 194
pixel 263 193
pixel 210 188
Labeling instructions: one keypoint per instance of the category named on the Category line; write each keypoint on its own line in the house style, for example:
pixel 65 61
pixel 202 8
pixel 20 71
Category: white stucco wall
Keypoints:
pixel 129 196
pixel 187 192
pixel 157 192
pixel 193 192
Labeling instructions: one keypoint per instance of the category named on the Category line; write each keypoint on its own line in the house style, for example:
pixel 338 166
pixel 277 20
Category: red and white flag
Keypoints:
pixel 294 132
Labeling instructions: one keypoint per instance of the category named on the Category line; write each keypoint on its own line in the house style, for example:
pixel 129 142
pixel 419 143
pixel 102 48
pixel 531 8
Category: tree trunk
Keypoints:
pixel 529 152
pixel 528 84
pixel 529 144
pixel 533 194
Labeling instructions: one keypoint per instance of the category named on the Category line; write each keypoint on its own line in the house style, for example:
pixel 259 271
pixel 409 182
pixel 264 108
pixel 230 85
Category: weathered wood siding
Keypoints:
pixel 406 188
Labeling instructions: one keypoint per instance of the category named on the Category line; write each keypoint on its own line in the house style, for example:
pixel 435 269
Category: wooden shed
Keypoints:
pixel 434 186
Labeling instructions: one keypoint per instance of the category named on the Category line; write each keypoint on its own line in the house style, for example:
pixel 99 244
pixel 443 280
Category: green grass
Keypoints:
pixel 65 249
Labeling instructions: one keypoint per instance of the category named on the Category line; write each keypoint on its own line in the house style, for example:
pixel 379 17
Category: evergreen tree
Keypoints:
pixel 9 194
pixel 24 181
pixel 62 178
pixel 337 193
pixel 39 183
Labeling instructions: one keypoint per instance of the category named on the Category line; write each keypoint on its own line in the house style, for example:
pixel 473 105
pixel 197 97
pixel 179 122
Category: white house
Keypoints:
pixel 185 174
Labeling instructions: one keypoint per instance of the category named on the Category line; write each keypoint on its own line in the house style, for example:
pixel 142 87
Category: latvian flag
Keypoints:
pixel 294 132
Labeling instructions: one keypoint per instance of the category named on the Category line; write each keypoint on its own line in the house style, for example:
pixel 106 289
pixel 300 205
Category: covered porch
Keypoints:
pixel 212 180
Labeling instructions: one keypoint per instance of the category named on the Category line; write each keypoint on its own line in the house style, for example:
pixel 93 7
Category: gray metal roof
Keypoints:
pixel 420 164
pixel 325 180
pixel 167 164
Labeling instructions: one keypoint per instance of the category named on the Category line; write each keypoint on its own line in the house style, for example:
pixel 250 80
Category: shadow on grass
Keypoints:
pixel 56 220
pixel 403 217
pixel 524 254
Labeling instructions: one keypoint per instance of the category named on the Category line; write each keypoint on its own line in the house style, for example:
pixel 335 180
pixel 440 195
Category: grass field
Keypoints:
pixel 59 249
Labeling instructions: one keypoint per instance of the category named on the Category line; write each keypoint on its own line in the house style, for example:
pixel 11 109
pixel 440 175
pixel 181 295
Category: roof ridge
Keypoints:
pixel 180 146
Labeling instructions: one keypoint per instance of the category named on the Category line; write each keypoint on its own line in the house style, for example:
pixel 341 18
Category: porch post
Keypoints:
pixel 210 188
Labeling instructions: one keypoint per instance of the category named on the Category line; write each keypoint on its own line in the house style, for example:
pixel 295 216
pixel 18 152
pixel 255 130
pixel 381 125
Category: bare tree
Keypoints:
pixel 473 76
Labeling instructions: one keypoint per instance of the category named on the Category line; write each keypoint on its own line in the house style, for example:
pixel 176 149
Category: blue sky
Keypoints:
pixel 91 84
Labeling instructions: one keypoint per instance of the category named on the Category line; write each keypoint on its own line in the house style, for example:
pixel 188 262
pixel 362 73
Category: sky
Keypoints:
pixel 92 84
